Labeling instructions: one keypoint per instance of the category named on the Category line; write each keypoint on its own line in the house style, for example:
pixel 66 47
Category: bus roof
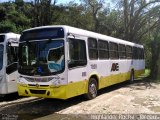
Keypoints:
pixel 82 32
pixel 10 33
pixel 14 37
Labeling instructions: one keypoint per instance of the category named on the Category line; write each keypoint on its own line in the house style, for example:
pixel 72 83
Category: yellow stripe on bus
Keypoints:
pixel 76 88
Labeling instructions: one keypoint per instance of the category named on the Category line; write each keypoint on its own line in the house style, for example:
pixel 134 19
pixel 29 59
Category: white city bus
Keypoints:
pixel 63 61
pixel 8 62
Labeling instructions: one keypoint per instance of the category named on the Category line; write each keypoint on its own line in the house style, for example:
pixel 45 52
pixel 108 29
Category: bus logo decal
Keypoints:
pixel 115 67
pixel 37 85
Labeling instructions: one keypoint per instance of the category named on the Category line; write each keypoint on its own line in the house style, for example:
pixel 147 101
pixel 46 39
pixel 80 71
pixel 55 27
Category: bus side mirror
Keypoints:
pixel 68 61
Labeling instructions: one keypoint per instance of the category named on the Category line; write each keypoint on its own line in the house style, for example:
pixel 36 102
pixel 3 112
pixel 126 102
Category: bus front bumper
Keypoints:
pixel 44 92
pixel 3 88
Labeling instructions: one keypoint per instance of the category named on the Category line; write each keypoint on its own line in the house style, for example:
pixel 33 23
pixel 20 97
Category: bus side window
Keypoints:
pixel 138 53
pixel 103 50
pixel 93 48
pixel 142 53
pixel 77 53
pixel 12 56
pixel 129 52
pixel 135 53
pixel 122 51
pixel 113 50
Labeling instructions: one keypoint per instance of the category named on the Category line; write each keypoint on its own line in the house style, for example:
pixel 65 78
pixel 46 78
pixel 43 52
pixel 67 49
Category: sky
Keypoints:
pixel 58 1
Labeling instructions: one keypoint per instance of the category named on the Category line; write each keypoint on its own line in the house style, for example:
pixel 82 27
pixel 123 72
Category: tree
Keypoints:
pixel 19 3
pixel 42 13
pixel 2 12
pixel 7 26
pixel 94 6
pixel 74 15
pixel 135 19
pixel 155 50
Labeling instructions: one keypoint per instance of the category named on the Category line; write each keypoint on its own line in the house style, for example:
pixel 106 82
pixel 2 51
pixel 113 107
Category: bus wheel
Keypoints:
pixel 2 96
pixel 92 89
pixel 132 77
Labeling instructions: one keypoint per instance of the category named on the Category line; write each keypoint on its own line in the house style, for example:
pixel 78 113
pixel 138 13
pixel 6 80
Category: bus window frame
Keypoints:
pixel 113 50
pixel 11 67
pixel 131 53
pixel 70 64
pixel 91 49
pixel 121 51
pixel 103 49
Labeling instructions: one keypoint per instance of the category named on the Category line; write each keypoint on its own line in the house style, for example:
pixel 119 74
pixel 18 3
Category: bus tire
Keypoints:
pixel 92 89
pixel 2 96
pixel 131 77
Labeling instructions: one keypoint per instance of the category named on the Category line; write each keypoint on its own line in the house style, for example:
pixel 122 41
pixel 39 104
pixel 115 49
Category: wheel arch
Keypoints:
pixel 132 70
pixel 96 77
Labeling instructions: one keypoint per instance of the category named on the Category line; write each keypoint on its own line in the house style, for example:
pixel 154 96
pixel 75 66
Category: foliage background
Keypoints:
pixel 132 20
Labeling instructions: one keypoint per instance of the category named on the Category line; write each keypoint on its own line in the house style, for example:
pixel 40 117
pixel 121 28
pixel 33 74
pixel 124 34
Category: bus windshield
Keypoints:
pixel 1 56
pixel 44 57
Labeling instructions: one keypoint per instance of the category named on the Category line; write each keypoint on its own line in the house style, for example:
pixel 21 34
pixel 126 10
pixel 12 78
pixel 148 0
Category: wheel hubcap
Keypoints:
pixel 132 77
pixel 93 90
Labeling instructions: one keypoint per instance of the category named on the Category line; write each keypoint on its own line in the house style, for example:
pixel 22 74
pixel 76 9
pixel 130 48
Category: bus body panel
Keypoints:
pixel 3 85
pixel 12 82
pixel 8 84
pixel 33 86
pixel 77 81
pixel 77 78
pixel 3 88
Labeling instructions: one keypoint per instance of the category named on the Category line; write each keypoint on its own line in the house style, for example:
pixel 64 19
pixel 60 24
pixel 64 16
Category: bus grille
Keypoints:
pixel 38 91
pixel 38 79
pixel 31 85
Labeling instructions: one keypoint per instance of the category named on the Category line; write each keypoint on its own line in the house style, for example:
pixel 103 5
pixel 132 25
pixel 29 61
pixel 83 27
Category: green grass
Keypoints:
pixel 147 72
pixel 158 79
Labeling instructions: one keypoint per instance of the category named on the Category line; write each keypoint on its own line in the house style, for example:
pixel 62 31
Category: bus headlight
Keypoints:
pixel 56 82
pixel 21 81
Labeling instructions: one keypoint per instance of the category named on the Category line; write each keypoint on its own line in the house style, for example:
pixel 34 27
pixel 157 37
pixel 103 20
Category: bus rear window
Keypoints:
pixel 44 33
pixel 2 38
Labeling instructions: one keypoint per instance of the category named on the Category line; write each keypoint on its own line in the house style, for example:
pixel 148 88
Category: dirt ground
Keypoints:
pixel 136 98
pixel 140 97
